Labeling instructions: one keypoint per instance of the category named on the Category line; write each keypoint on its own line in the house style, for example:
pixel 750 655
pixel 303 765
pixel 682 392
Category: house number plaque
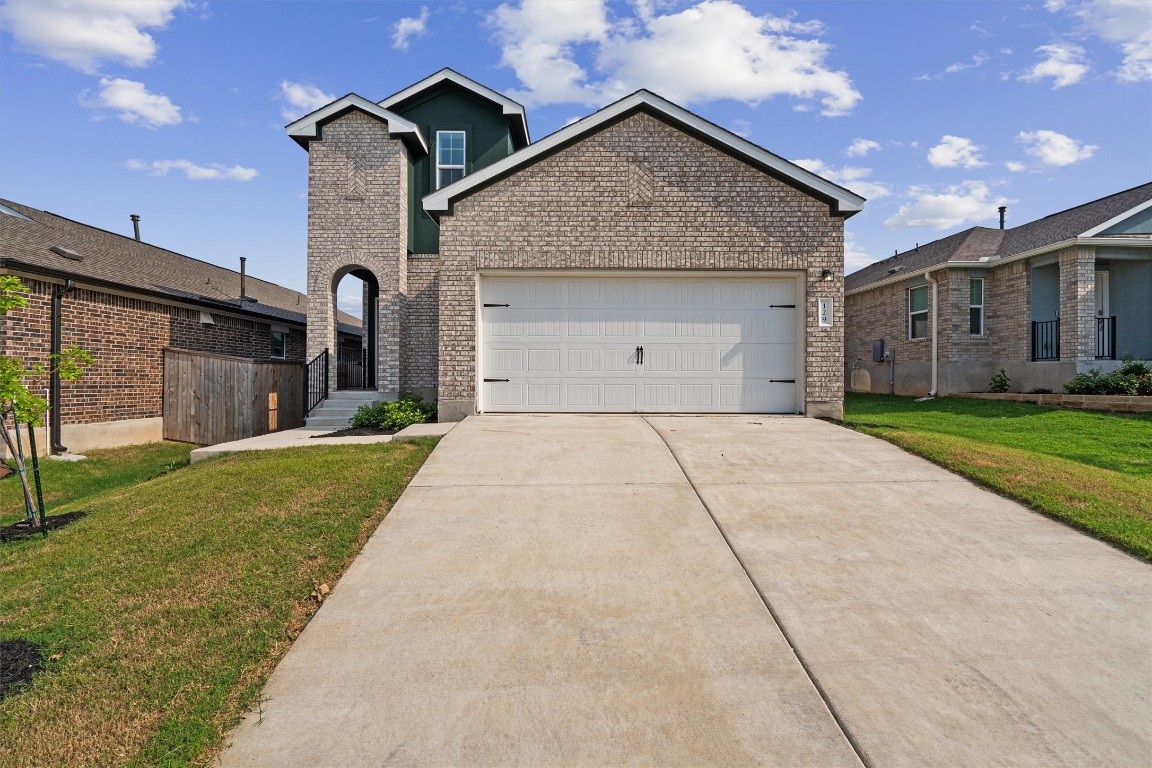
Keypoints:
pixel 825 311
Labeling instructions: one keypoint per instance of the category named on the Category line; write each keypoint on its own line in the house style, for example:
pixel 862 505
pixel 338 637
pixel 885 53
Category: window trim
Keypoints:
pixel 283 345
pixel 924 312
pixel 462 166
pixel 979 306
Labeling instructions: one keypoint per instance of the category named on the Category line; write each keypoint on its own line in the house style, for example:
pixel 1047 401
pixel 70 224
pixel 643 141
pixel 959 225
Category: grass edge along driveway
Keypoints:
pixel 166 608
pixel 1091 470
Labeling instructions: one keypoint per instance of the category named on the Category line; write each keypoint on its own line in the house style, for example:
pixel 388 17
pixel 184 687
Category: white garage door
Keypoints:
pixel 645 344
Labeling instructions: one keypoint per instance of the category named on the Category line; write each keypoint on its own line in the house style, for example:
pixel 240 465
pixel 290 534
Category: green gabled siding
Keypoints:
pixel 449 108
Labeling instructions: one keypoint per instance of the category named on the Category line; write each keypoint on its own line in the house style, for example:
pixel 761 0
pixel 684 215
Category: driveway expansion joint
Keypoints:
pixel 861 755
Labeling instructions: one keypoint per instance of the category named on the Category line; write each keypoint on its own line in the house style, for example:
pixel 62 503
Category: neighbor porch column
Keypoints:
pixel 1078 304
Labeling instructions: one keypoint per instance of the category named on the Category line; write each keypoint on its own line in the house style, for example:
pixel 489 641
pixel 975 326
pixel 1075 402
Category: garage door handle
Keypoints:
pixel 782 381
pixel 639 355
pixel 488 380
pixel 770 306
pixel 497 305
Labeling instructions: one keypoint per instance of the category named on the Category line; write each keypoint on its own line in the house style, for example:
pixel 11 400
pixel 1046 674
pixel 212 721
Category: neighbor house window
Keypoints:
pixel 976 307
pixel 449 157
pixel 279 344
pixel 918 312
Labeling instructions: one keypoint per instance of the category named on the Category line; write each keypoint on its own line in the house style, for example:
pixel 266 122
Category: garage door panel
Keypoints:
pixel 571 344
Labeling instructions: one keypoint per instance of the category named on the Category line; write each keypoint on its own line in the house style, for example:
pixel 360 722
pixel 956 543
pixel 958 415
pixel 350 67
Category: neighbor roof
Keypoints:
pixel 842 201
pixel 39 242
pixel 510 108
pixel 979 243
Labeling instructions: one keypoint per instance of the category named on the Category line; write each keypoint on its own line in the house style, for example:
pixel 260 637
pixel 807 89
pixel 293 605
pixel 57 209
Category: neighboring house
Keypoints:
pixel 641 259
pixel 125 301
pixel 1044 301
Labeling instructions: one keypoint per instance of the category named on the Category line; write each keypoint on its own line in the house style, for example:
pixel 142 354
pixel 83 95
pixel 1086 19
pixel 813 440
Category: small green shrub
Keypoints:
pixel 999 382
pixel 408 410
pixel 1131 378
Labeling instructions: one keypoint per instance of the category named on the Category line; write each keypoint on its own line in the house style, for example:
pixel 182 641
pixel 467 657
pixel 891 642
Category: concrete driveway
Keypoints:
pixel 601 590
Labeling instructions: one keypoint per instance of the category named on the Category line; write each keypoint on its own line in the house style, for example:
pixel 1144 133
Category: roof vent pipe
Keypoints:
pixel 1002 209
pixel 243 296
pixel 135 224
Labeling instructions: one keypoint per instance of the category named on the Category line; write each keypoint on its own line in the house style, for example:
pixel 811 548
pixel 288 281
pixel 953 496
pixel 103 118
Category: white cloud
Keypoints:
pixel 855 257
pixel 352 303
pixel 955 152
pixel 978 60
pixel 410 26
pixel 134 103
pixel 851 177
pixel 1014 166
pixel 84 33
pixel 1063 62
pixel 1055 149
pixel 214 171
pixel 716 49
pixel 861 147
pixel 301 98
pixel 966 203
pixel 1125 24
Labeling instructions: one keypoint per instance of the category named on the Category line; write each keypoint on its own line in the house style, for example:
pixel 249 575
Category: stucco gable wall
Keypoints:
pixel 639 194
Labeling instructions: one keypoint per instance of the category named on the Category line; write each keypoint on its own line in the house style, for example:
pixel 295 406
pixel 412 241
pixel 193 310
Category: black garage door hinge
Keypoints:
pixel 497 305
pixel 770 306
pixel 782 381
pixel 488 380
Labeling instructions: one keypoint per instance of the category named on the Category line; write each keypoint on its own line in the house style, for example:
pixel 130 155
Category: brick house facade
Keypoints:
pixel 1055 297
pixel 641 193
pixel 126 301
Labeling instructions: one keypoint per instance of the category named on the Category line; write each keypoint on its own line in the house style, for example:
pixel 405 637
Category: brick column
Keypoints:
pixel 1078 304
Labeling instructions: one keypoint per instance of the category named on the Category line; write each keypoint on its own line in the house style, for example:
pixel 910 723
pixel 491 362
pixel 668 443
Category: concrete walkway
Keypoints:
pixel 305 436
pixel 556 591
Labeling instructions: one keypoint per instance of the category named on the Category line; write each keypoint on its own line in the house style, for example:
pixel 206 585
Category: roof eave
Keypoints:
pixel 842 201
pixel 307 128
pixel 509 107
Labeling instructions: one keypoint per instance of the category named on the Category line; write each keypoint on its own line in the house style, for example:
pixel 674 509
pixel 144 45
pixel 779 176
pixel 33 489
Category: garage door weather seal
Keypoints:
pixel 860 754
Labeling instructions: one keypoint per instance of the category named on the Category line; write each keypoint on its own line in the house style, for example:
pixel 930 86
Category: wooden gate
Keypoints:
pixel 210 399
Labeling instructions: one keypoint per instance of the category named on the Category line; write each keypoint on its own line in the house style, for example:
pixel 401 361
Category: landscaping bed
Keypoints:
pixel 1091 470
pixel 157 618
pixel 1114 403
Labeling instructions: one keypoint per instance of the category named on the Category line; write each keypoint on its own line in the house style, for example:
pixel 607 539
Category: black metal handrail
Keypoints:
pixel 1046 340
pixel 316 382
pixel 1106 338
pixel 351 368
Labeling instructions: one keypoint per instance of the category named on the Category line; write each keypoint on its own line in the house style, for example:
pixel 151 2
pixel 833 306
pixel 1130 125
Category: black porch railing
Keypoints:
pixel 352 369
pixel 1046 340
pixel 316 382
pixel 1106 338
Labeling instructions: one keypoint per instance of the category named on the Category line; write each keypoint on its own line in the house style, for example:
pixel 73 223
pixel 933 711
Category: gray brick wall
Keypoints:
pixel 358 219
pixel 1078 304
pixel 419 352
pixel 640 194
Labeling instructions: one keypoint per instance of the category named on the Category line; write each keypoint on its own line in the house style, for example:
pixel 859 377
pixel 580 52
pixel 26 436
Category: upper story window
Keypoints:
pixel 976 307
pixel 449 157
pixel 918 312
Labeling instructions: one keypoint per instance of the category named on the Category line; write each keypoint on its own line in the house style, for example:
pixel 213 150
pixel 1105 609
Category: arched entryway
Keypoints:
pixel 356 292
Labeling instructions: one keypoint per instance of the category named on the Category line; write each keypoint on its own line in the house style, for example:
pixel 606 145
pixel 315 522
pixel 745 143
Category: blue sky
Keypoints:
pixel 937 112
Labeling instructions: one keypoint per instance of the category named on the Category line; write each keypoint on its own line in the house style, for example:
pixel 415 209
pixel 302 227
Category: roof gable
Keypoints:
pixel 308 127
pixel 510 108
pixel 842 201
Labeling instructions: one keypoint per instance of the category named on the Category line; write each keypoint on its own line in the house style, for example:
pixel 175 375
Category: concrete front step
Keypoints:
pixel 340 407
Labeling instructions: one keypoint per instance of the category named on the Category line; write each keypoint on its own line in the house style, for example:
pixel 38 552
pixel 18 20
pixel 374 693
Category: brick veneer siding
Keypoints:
pixel 1078 304
pixel 126 336
pixel 358 219
pixel 419 352
pixel 640 194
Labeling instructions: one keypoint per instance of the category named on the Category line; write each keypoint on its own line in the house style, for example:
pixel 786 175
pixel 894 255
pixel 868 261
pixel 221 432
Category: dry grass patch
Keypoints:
pixel 172 601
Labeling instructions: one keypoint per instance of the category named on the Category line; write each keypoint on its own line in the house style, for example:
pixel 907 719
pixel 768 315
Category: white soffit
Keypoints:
pixel 1116 219
pixel 846 202
pixel 509 106
pixel 308 127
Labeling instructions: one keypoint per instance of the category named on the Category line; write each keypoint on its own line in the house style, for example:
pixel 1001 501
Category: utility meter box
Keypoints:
pixel 878 355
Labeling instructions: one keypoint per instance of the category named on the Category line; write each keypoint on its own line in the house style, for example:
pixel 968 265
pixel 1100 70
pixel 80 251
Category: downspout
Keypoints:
pixel 935 333
pixel 58 292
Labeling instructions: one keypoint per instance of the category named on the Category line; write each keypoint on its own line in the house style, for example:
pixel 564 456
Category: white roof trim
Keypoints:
pixel 308 127
pixel 509 106
pixel 1099 242
pixel 846 202
pixel 1116 219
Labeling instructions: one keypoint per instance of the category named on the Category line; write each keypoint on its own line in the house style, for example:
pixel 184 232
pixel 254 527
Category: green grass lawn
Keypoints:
pixel 1092 470
pixel 165 609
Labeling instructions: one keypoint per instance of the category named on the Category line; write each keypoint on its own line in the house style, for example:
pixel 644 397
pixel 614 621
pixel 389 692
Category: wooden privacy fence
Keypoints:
pixel 211 399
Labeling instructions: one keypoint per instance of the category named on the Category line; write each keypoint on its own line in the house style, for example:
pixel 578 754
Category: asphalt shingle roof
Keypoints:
pixel 977 242
pixel 113 258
